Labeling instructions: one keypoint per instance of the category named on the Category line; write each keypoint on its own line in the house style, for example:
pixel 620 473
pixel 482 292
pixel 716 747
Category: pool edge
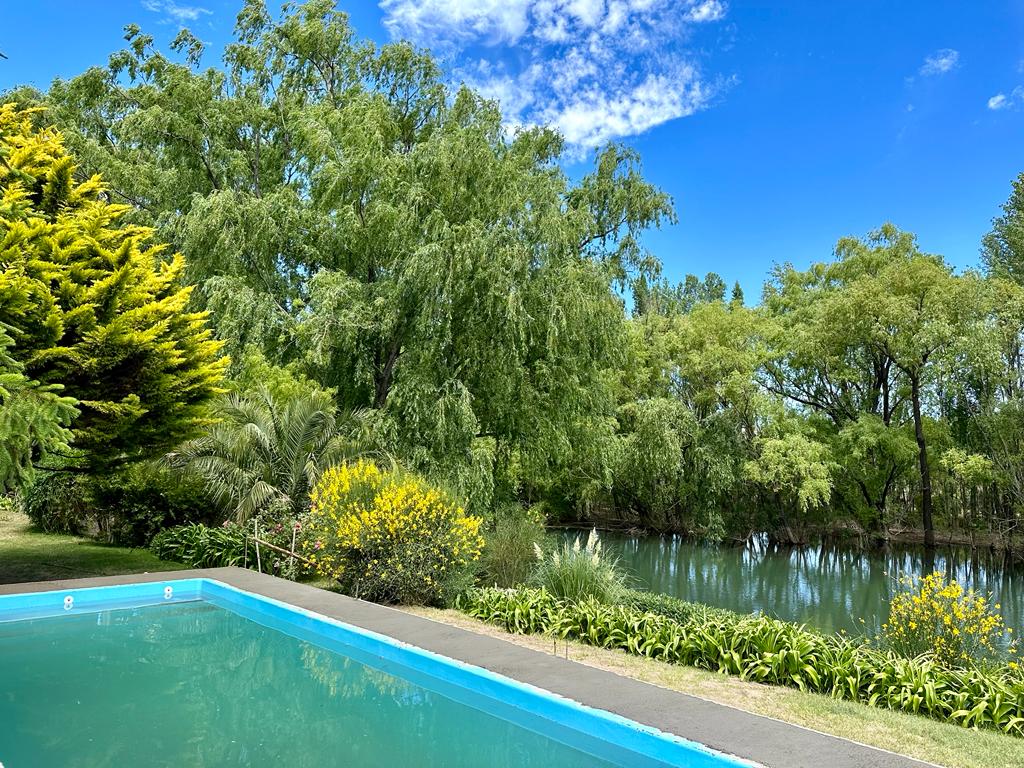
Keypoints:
pixel 722 728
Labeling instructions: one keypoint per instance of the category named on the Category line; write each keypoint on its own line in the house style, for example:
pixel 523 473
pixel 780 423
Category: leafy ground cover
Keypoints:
pixel 766 650
pixel 940 743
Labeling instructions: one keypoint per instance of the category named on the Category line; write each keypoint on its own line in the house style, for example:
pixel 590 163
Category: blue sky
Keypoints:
pixel 777 127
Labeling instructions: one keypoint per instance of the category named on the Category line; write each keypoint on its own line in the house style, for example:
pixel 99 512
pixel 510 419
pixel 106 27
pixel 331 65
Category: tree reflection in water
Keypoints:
pixel 828 586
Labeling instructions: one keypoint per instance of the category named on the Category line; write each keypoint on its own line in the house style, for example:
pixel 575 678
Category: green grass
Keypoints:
pixel 920 737
pixel 27 554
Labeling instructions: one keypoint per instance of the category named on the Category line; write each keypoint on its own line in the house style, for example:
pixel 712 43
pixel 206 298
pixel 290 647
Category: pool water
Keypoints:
pixel 194 684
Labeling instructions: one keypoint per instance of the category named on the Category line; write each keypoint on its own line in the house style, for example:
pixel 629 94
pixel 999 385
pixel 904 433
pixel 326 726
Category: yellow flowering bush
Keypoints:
pixel 389 536
pixel 955 625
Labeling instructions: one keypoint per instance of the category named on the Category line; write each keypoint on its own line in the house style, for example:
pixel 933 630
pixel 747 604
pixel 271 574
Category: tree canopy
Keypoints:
pixel 341 209
pixel 402 265
pixel 94 315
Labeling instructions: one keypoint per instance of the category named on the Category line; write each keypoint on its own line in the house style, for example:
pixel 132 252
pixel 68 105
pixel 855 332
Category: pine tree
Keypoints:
pixel 92 306
pixel 33 419
pixel 737 294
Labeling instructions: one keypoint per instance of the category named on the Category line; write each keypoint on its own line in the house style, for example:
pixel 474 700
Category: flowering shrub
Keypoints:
pixel 930 615
pixel 388 536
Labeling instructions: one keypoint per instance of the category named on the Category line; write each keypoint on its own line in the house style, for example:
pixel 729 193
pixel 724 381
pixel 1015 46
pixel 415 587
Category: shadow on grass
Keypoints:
pixel 27 554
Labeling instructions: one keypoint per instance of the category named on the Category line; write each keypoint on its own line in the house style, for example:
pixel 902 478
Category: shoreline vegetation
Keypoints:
pixel 940 743
pixel 925 678
pixel 1012 546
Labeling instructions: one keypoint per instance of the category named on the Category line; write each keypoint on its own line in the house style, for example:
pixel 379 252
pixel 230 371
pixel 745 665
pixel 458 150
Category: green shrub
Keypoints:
pixel 767 650
pixel 390 537
pixel 201 546
pixel 58 502
pixel 577 571
pixel 127 507
pixel 133 505
pixel 509 557
pixel 231 544
pixel 673 608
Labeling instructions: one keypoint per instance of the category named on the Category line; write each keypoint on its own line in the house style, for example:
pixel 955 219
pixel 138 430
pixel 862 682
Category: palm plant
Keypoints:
pixel 267 452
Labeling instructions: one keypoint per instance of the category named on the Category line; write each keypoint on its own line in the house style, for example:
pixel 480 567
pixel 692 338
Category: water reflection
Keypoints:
pixel 831 586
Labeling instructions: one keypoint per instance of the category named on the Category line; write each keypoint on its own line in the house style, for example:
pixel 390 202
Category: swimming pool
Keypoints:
pixel 195 672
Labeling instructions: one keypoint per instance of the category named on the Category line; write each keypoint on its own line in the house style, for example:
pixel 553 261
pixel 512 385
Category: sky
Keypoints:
pixel 776 127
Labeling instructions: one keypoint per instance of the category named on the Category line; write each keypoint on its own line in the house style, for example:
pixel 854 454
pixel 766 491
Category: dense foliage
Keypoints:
pixel 769 651
pixel 342 209
pixel 425 284
pixel 58 502
pixel 265 452
pixel 510 546
pixel 390 537
pixel 127 507
pixel 93 310
pixel 200 546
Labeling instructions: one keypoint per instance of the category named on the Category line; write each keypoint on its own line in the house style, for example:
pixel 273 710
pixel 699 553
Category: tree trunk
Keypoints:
pixel 922 457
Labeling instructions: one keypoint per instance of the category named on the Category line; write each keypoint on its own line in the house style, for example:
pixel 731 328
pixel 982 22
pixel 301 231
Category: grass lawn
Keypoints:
pixel 929 740
pixel 28 555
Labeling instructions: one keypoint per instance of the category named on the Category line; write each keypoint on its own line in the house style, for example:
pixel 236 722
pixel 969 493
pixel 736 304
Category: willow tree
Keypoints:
pixel 867 341
pixel 689 412
pixel 92 310
pixel 342 209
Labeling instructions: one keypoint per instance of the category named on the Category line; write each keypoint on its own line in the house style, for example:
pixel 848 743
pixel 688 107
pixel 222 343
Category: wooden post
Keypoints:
pixel 256 537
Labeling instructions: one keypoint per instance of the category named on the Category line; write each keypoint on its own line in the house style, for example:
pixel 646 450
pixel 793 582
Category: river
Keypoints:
pixel 830 587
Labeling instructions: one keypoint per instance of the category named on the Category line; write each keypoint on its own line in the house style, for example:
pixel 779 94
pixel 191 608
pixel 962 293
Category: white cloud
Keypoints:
pixel 999 101
pixel 595 69
pixel 709 10
pixel 939 63
pixel 493 21
pixel 1003 101
pixel 172 12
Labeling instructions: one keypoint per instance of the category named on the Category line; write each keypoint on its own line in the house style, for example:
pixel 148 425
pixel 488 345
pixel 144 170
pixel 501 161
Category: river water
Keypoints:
pixel 830 587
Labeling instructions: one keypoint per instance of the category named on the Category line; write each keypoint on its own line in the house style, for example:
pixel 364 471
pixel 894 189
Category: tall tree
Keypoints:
pixel 342 209
pixel 1002 249
pixel 873 329
pixel 93 308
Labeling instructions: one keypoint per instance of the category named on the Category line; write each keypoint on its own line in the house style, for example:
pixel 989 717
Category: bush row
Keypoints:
pixel 765 650
pixel 201 546
pixel 127 507
pixel 674 608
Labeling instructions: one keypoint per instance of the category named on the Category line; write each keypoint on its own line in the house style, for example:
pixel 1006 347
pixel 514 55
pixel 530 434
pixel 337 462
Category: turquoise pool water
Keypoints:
pixel 235 680
pixel 193 684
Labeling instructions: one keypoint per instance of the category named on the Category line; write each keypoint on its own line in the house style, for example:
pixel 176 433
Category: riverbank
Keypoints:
pixel 1011 546
pixel 832 587
pixel 913 736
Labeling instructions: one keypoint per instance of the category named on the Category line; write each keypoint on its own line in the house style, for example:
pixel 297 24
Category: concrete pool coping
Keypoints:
pixel 753 737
